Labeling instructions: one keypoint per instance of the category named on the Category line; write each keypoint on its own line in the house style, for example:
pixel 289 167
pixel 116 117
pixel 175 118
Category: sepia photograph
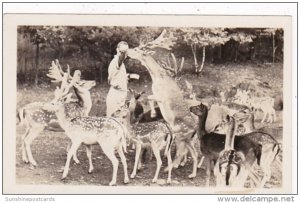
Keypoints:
pixel 195 107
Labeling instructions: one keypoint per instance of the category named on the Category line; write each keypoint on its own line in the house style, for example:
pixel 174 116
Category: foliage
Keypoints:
pixel 91 48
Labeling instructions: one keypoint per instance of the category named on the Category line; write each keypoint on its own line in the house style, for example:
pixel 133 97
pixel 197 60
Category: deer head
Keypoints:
pixel 199 110
pixel 61 95
pixel 146 48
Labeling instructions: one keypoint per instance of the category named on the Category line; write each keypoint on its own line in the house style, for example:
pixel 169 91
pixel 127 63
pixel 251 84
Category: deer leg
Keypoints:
pixel 89 155
pixel 264 117
pixel 137 159
pixel 72 151
pixel 169 158
pixel 156 152
pixel 181 150
pixel 74 156
pixel 201 162
pixel 29 138
pixel 152 112
pixel 177 154
pixel 124 163
pixel 184 160
pixel 194 156
pixel 208 173
pixel 24 154
pixel 267 174
pixel 109 152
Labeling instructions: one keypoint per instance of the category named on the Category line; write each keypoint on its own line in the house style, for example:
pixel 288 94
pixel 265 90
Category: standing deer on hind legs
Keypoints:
pixel 36 119
pixel 169 97
pixel 109 133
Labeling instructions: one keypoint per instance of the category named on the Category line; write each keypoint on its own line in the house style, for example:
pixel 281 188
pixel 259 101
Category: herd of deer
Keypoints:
pixel 232 149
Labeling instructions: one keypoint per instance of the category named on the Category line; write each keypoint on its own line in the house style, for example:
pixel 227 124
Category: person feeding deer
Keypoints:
pixel 118 80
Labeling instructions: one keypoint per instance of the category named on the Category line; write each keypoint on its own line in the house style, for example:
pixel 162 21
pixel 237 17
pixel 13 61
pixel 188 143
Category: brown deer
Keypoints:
pixel 211 143
pixel 169 97
pixel 37 119
pixel 109 133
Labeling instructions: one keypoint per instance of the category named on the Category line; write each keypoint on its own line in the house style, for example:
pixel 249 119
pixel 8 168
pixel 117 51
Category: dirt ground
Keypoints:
pixel 49 149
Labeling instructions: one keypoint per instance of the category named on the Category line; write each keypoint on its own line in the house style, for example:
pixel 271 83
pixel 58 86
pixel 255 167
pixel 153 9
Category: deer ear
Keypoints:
pixel 227 118
pixel 127 104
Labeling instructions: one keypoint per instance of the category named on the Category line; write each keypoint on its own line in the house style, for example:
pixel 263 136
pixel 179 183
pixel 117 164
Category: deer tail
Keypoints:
pixel 20 116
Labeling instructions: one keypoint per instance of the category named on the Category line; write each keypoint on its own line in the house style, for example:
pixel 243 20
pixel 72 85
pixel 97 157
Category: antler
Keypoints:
pixel 56 72
pixel 161 42
pixel 175 69
pixel 67 81
pixel 65 86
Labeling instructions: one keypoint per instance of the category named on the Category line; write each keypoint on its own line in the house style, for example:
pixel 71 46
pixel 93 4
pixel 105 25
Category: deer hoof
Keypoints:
pixel 25 161
pixel 132 175
pixel 169 182
pixel 192 175
pixel 33 163
pixel 154 180
pixel 126 180
pixel 77 162
pixel 91 171
pixel 112 183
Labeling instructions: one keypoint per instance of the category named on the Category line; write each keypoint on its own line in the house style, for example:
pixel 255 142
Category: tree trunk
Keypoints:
pixel 203 60
pixel 212 53
pixel 236 52
pixel 194 50
pixel 37 58
pixel 96 71
pixel 273 36
pixel 220 53
pixel 101 74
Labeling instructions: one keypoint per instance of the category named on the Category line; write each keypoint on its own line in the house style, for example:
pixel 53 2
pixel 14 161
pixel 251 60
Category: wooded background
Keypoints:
pixel 90 48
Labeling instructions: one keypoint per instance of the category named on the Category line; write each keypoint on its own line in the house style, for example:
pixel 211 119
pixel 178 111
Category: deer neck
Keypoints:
pixel 62 118
pixel 85 100
pixel 230 134
pixel 201 125
pixel 249 124
pixel 168 95
pixel 154 69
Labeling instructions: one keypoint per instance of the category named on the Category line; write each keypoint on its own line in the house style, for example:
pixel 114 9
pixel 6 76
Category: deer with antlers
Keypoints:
pixel 169 97
pixel 108 132
pixel 37 119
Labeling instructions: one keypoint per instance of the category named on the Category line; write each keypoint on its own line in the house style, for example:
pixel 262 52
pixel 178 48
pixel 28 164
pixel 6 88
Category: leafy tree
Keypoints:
pixel 271 32
pixel 241 36
pixel 203 37
pixel 40 37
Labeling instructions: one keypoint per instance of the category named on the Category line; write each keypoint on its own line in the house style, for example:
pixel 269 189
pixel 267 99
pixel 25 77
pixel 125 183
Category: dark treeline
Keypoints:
pixel 90 48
